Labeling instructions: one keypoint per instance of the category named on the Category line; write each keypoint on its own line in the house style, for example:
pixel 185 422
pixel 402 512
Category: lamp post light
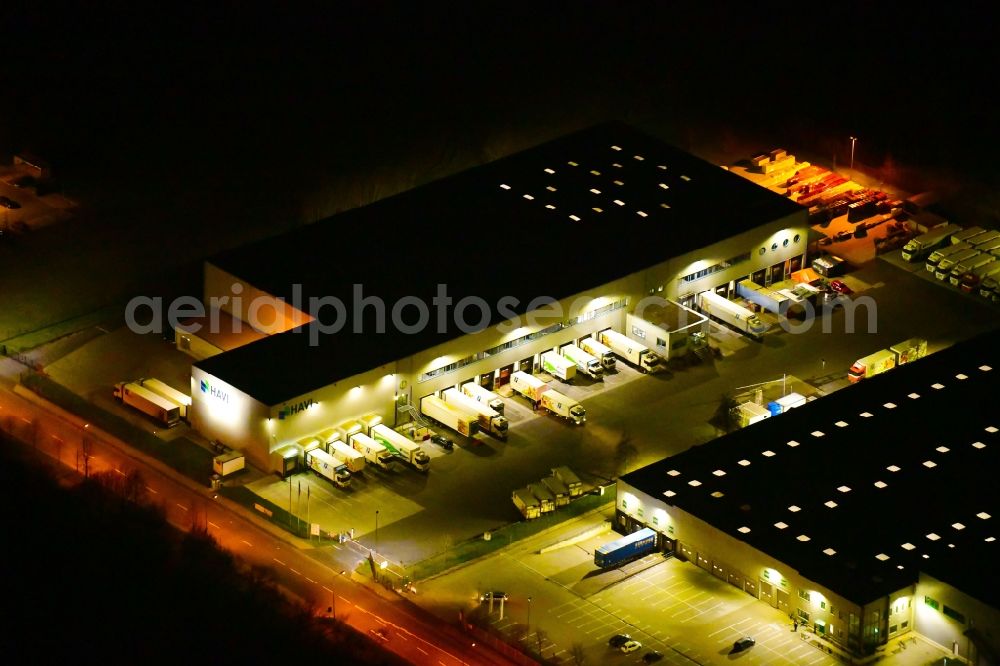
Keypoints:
pixel 376 531
pixel 333 598
pixel 854 140
pixel 528 632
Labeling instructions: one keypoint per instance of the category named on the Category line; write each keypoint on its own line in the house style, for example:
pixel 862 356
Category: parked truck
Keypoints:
pixel 526 503
pixel 768 299
pixel 602 352
pixel 374 453
pixel 563 406
pixel 730 313
pixel 626 548
pixel 569 477
pixel 920 247
pixel 164 411
pixel 558 367
pixel 529 386
pixel 966 235
pixel 228 463
pixel 355 460
pixel 406 449
pixel 585 363
pixel 489 421
pixel 887 359
pixel 944 266
pixel 979 261
pixel 453 416
pixel 482 394
pixel 546 501
pixel 974 280
pixel 634 352
pixel 322 463
pixel 558 490
pixel 937 255
pixel 183 401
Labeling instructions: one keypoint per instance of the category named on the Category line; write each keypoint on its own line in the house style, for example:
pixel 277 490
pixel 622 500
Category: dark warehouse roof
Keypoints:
pixel 881 480
pixel 510 228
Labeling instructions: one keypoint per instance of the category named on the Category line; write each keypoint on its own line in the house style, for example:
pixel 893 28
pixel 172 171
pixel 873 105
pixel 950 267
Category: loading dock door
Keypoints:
pixel 767 593
pixel 486 380
pixel 503 377
pixel 782 598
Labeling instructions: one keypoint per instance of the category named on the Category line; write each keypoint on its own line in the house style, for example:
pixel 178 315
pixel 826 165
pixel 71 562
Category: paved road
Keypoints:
pixel 414 635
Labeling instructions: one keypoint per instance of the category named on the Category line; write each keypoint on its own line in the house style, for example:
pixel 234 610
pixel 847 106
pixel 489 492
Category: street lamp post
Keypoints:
pixel 854 140
pixel 376 531
pixel 528 631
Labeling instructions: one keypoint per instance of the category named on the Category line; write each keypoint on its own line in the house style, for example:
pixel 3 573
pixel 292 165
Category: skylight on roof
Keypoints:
pixel 547 170
pixel 958 526
pixel 574 218
pixel 866 415
pixel 780 525
pixel 550 206
pixel 673 472
pixel 504 186
pixel 978 445
pixel 844 489
pixel 990 429
pixel 743 530
pixel 803 538
pixel 942 449
pixel 594 190
pixel 899 566
pixel 615 147
pixel 926 556
pixel 951 545
pixel 719 472
pixel 597 210
pixel 793 443
pixel 661 166
pixel 744 463
pixel 550 188
pixel 639 157
pixel 961 376
pixel 619 183
pixel 529 197
pixel 694 482
pixel 908 546
pixel 933 537
pixel 768 454
pixel 989 539
pixel 893 468
pixel 669 493
pixel 831 504
pixel 937 386
pixel 829 551
pixel 841 424
pixel 641 213
pixel 663 205
pixel 890 405
pixel 595 172
pixel 881 484
pixel 616 165
pixel 664 186
pixel 817 433
pixel 882 556
pixel 913 396
pixel 982 515
pixel 685 178
pixel 794 509
pixel 985 368
pixel 572 163
pixel 718 493
pixel 930 464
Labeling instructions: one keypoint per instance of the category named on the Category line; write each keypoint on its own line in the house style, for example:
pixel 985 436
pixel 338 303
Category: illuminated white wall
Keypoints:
pixel 264 311
pixel 229 415
pixel 946 631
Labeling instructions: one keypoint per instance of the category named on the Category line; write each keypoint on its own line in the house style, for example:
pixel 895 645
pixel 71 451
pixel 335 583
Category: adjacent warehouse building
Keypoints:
pixel 435 285
pixel 865 515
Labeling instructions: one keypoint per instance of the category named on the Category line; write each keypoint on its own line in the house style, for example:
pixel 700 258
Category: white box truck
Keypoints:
pixel 569 477
pixel 563 406
pixel 375 453
pixel 489 421
pixel 406 449
pixel 733 314
pixel 182 400
pixel 558 490
pixel 558 367
pixel 603 352
pixel 529 386
pixel 166 412
pixel 355 460
pixel 461 420
pixel 634 352
pixel 228 463
pixel 546 500
pixel 585 363
pixel 480 393
pixel 322 463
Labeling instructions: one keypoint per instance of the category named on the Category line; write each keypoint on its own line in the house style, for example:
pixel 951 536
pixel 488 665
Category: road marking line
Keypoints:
pixel 247 542
pixel 151 490
pixel 310 579
pixel 294 571
pixel 422 650
pixel 181 506
pixel 279 561
pixel 402 636
pixel 328 589
pixel 211 524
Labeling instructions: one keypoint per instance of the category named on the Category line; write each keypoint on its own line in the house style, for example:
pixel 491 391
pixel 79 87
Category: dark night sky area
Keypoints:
pixel 326 85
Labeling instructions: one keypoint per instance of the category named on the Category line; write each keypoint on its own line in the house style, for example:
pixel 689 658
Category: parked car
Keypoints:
pixel 742 644
pixel 443 442
pixel 496 595
pixel 619 640
pixel 652 657
pixel 630 647
pixel 841 287
pixel 7 202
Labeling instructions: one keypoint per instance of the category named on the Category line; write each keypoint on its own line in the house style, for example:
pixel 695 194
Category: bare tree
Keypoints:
pixel 134 487
pixel 579 656
pixel 540 636
pixel 86 451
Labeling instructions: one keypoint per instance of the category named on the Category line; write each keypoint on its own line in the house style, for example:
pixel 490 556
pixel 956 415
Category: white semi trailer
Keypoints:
pixel 529 386
pixel 328 467
pixel 731 313
pixel 405 448
pixel 564 406
pixel 489 421
pixel 453 416
pixel 149 403
pixel 603 352
pixel 634 352
pixel 355 460
pixel 477 392
pixel 585 363
pixel 374 452
pixel 558 367
pixel 182 400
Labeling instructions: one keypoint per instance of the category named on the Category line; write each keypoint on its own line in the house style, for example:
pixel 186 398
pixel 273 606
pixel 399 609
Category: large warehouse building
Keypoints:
pixel 865 515
pixel 594 222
